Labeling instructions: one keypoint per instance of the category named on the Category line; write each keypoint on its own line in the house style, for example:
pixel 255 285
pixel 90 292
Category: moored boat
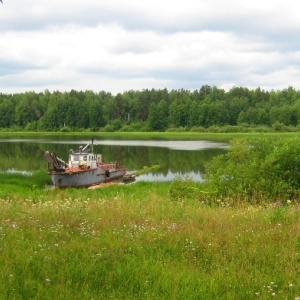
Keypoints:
pixel 84 168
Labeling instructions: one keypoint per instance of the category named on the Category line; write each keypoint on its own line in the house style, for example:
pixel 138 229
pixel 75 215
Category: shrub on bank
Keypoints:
pixel 257 168
pixel 254 170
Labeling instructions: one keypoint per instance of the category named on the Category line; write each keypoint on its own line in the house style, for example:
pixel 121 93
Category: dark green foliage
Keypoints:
pixel 7 113
pixel 158 116
pixel 208 108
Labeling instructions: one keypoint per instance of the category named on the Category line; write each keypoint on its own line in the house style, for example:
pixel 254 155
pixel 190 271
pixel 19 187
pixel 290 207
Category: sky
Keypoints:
pixel 117 45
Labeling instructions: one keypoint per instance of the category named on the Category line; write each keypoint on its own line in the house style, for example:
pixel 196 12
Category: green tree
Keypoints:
pixel 235 106
pixel 158 116
pixel 213 114
pixel 177 114
pixel 7 113
pixel 192 113
pixel 28 108
pixel 254 116
pixel 143 104
pixel 96 117
pixel 284 114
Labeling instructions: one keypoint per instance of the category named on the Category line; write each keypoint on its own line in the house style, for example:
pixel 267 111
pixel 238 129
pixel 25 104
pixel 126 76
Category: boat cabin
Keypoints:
pixel 83 159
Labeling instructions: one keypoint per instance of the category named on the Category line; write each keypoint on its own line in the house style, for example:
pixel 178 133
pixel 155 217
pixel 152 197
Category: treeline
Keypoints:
pixel 208 108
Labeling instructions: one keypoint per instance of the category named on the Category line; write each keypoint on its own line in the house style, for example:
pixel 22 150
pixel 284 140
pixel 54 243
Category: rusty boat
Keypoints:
pixel 84 169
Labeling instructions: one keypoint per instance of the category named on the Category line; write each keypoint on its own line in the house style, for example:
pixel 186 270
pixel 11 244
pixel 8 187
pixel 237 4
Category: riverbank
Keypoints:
pixel 135 242
pixel 222 137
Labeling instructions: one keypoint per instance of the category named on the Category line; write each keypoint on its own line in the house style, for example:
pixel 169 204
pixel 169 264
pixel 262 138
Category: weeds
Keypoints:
pixel 134 242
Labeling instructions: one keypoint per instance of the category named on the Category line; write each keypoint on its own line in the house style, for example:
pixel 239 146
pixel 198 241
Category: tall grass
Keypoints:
pixel 22 185
pixel 136 242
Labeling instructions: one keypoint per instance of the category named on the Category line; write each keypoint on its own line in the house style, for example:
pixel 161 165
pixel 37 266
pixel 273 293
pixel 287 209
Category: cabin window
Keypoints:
pixel 85 158
pixel 76 157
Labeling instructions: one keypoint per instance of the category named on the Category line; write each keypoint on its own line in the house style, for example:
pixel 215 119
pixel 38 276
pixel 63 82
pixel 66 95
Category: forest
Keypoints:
pixel 206 109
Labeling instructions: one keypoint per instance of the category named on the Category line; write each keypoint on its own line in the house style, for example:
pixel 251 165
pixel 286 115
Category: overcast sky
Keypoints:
pixel 119 45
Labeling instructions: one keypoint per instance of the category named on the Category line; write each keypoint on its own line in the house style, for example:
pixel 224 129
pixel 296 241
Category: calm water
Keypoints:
pixel 176 158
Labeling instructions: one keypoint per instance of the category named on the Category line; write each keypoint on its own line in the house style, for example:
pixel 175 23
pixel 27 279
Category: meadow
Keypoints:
pixel 141 241
pixel 235 236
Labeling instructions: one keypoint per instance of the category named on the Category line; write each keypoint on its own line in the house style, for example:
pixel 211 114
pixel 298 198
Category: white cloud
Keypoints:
pixel 116 45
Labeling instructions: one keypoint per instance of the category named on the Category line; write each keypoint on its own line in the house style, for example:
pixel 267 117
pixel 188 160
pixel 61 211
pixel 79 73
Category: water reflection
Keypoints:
pixel 176 158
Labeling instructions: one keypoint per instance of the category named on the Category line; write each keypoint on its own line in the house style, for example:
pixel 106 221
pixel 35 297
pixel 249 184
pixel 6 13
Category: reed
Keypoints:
pixel 136 242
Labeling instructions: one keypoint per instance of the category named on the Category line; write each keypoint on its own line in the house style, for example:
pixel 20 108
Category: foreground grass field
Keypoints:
pixel 136 242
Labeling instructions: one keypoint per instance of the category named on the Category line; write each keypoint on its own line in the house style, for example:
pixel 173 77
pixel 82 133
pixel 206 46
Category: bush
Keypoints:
pixel 177 129
pixel 182 189
pixel 65 129
pixel 277 126
pixel 115 125
pixel 134 127
pixel 257 168
pixel 198 129
pixel 109 128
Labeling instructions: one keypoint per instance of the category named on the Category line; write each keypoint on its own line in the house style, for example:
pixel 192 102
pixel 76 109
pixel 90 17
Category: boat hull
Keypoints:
pixel 84 178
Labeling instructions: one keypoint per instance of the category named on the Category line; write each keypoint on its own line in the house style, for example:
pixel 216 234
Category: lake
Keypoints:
pixel 176 158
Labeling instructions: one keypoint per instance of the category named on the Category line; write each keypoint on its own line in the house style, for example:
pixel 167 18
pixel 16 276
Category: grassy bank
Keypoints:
pixel 134 242
pixel 149 135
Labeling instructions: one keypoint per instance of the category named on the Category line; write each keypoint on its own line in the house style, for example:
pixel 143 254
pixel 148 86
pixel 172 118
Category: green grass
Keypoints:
pixel 135 242
pixel 19 185
pixel 149 135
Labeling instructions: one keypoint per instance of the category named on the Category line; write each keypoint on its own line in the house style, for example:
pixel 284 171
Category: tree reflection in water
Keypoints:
pixel 176 158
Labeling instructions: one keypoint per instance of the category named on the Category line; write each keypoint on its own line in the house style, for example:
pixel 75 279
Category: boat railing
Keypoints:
pixel 112 165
